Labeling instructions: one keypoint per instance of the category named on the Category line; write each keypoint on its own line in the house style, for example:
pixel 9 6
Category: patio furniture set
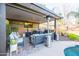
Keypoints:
pixel 33 38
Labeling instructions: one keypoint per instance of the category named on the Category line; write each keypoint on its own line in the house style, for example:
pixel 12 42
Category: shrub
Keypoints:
pixel 73 36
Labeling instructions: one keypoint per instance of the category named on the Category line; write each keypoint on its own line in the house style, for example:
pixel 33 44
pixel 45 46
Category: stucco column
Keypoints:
pixel 2 29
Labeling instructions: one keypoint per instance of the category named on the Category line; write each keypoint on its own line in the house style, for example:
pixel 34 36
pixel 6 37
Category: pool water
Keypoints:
pixel 72 51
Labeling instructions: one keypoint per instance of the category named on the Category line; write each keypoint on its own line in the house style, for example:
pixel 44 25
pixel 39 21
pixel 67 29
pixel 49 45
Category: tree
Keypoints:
pixel 75 14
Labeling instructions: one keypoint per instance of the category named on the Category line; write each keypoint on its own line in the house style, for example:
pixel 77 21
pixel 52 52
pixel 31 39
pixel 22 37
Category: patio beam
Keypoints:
pixel 10 19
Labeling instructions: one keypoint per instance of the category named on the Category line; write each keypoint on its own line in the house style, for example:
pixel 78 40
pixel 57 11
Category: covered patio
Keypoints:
pixel 30 12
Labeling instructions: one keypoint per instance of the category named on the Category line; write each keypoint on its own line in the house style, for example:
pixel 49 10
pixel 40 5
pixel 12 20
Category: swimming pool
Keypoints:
pixel 72 51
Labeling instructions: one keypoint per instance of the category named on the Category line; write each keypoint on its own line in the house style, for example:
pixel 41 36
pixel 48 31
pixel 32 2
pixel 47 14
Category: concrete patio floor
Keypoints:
pixel 56 49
